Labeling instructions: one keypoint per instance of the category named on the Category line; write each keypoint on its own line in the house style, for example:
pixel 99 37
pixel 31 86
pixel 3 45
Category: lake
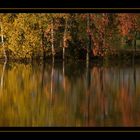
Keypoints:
pixel 69 94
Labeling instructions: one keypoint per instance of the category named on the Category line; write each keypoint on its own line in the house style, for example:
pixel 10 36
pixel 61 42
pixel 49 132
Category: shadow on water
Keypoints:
pixel 70 94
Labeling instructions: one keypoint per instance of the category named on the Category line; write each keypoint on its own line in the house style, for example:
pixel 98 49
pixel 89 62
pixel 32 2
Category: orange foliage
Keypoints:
pixel 127 22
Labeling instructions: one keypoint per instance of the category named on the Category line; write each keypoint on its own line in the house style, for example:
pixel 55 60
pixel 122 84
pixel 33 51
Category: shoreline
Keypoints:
pixel 113 61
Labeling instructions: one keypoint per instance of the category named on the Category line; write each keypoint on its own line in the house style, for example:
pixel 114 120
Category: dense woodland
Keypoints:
pixel 62 35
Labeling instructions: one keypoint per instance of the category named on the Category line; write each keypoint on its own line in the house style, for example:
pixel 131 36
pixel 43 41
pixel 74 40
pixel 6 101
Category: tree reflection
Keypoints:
pixel 2 75
pixel 65 94
pixel 88 82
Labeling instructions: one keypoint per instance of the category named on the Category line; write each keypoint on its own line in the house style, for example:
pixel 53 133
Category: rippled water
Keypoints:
pixel 69 94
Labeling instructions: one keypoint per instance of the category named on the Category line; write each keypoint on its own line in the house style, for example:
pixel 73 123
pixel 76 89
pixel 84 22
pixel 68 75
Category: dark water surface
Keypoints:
pixel 70 94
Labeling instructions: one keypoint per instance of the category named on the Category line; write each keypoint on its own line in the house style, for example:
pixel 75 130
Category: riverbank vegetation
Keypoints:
pixel 60 36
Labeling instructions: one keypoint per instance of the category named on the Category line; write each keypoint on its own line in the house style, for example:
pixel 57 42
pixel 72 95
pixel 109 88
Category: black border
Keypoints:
pixel 69 4
pixel 70 10
pixel 69 132
pixel 70 129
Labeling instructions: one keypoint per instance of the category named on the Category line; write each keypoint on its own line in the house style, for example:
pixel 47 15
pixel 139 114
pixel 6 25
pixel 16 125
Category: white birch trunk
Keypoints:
pixel 52 37
pixel 2 40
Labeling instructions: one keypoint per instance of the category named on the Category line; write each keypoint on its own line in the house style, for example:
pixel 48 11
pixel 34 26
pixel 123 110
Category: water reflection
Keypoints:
pixel 69 94
pixel 2 75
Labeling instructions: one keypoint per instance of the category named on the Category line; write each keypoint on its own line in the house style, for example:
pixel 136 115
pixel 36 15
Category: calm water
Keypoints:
pixel 69 95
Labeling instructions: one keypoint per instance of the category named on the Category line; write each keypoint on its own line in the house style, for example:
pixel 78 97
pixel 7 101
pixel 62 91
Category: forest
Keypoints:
pixel 68 35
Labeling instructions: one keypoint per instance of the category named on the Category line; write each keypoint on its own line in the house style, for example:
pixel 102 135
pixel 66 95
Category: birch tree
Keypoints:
pixel 2 39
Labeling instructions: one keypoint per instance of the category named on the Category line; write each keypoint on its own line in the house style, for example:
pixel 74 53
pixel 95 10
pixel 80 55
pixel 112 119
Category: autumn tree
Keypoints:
pixel 85 35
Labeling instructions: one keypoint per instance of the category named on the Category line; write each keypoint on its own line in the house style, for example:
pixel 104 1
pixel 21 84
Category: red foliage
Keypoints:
pixel 127 23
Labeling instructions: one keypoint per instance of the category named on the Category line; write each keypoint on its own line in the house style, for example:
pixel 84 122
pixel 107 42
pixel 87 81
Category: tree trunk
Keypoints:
pixel 65 38
pixel 63 53
pixel 42 43
pixel 52 37
pixel 134 52
pixel 135 41
pixel 2 40
pixel 89 38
